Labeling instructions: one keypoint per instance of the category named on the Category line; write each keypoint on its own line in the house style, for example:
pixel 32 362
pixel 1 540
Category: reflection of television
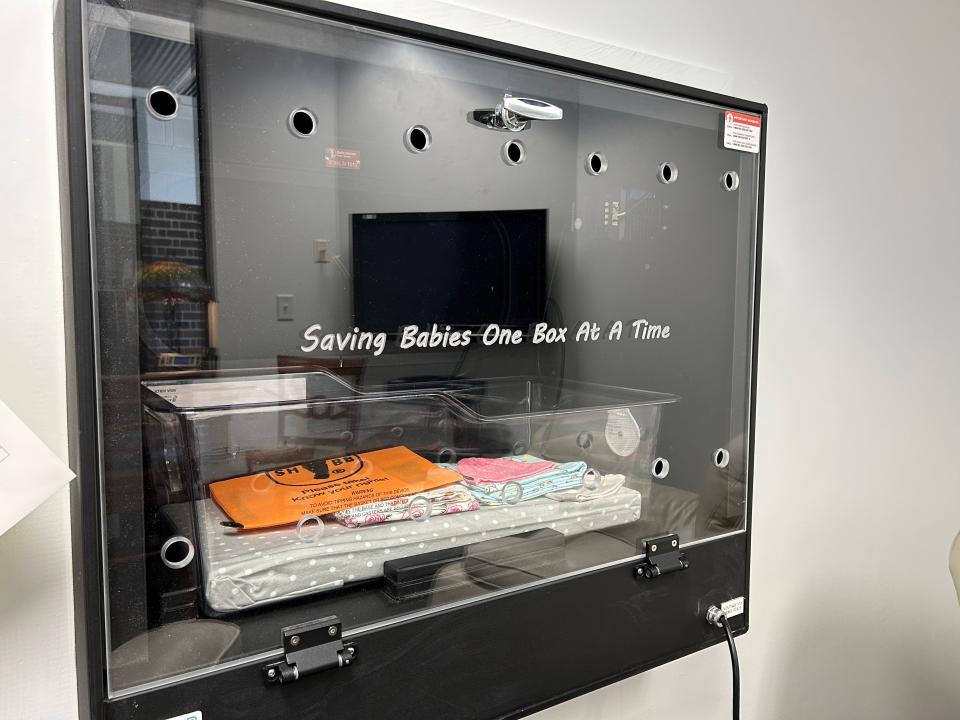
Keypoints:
pixel 463 269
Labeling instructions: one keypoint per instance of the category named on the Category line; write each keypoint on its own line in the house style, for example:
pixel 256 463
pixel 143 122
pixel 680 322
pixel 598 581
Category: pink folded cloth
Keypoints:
pixel 501 470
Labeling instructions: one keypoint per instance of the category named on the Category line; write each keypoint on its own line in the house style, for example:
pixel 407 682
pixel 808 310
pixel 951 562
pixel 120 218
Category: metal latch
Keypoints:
pixel 308 648
pixel 663 556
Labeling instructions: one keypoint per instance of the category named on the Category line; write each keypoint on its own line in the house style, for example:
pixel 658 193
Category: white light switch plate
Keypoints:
pixel 284 307
pixel 322 249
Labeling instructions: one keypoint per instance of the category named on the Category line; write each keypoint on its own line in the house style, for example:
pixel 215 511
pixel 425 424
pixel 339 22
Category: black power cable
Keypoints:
pixel 735 662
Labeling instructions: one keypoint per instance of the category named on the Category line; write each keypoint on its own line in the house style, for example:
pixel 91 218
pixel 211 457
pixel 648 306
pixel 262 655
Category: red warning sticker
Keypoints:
pixel 341 159
pixel 741 131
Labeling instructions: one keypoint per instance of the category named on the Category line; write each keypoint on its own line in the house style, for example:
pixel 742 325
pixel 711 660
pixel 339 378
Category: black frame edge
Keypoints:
pixel 486 46
pixel 89 630
pixel 755 354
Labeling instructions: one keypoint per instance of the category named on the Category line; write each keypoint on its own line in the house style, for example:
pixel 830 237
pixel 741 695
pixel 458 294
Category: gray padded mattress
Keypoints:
pixel 245 570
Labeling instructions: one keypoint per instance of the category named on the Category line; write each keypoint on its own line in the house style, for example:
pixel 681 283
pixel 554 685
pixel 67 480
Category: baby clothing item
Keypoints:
pixel 441 501
pixel 594 486
pixel 558 477
pixel 477 471
pixel 285 495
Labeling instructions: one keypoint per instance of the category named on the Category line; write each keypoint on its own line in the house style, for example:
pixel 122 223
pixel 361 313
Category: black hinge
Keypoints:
pixel 663 556
pixel 308 648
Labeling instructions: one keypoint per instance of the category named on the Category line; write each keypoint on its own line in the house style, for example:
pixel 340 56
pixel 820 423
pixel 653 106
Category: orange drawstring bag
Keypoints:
pixel 283 496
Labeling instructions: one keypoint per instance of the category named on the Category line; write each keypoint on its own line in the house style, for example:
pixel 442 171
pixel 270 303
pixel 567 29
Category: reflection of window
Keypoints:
pixel 172 247
pixel 167 149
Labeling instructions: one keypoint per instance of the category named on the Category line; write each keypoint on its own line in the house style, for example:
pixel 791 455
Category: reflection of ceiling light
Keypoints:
pixel 516 113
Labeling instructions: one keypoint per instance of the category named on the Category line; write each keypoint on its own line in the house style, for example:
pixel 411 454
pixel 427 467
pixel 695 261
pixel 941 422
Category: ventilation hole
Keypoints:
pixel 396 431
pixel 585 440
pixel 596 163
pixel 162 103
pixel 514 152
pixel 177 552
pixel 347 436
pixel 661 468
pixel 730 180
pixel 667 173
pixel 309 528
pixel 721 457
pixel 447 455
pixel 302 122
pixel 417 139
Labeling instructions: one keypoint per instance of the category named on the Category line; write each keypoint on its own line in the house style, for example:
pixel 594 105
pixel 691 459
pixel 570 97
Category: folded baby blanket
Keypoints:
pixel 440 501
pixel 477 471
pixel 552 477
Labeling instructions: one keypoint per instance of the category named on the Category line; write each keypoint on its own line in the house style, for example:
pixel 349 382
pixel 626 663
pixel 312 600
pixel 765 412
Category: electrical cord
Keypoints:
pixel 735 662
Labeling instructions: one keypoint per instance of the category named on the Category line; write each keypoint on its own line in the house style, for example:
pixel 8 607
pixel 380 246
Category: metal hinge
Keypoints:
pixel 663 556
pixel 308 648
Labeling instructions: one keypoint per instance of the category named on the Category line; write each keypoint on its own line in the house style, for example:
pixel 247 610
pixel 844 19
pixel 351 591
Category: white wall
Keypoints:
pixel 36 604
pixel 857 495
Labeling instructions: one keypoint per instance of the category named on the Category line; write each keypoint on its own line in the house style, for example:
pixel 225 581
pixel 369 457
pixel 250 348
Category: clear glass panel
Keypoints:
pixel 387 327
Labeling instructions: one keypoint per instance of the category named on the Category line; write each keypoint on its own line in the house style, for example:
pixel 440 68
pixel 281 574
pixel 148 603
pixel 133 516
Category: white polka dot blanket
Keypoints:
pixel 246 570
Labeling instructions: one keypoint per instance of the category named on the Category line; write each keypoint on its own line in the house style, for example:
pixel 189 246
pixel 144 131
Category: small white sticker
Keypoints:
pixel 195 715
pixel 732 608
pixel 741 131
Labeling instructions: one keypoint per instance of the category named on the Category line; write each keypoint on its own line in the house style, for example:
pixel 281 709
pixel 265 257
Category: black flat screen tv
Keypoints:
pixel 462 269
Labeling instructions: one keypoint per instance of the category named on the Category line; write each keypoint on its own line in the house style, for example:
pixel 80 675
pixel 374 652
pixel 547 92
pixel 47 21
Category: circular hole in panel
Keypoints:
pixel 585 440
pixel 512 493
pixel 162 103
pixel 730 180
pixel 177 552
pixel 309 528
pixel 596 163
pixel 396 431
pixel 447 455
pixel 519 447
pixel 417 139
pixel 302 122
pixel 667 173
pixel 514 152
pixel 721 457
pixel 661 468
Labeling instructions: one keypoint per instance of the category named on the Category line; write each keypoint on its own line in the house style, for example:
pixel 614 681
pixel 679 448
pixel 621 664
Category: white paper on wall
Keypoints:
pixel 29 471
